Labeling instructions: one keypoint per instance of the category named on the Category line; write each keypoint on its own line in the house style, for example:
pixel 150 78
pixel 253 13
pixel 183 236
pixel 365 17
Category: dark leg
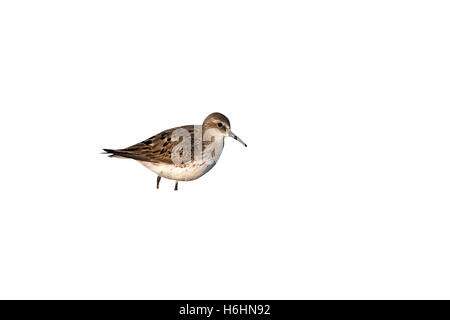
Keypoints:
pixel 157 182
pixel 176 186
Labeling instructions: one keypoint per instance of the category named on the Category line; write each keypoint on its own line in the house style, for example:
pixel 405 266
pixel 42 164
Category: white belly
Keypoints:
pixel 188 172
pixel 171 171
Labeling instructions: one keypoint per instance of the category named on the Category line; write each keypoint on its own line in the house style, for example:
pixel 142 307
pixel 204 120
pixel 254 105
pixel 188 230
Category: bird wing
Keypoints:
pixel 156 149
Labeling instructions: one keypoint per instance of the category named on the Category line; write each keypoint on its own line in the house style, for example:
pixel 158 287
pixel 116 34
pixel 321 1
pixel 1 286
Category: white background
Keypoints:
pixel 343 191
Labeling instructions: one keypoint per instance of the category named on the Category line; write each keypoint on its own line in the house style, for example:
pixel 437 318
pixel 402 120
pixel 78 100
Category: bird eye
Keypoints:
pixel 220 124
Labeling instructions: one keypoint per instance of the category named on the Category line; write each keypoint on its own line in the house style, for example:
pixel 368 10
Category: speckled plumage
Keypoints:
pixel 156 153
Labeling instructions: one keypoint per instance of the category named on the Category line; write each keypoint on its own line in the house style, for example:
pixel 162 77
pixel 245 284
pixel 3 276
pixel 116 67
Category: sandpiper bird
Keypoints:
pixel 183 153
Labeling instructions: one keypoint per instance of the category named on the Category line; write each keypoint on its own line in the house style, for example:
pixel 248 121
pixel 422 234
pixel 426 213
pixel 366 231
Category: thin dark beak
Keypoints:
pixel 235 137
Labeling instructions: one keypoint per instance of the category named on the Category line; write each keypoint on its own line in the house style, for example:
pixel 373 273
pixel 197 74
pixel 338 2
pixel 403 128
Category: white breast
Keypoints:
pixel 190 171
